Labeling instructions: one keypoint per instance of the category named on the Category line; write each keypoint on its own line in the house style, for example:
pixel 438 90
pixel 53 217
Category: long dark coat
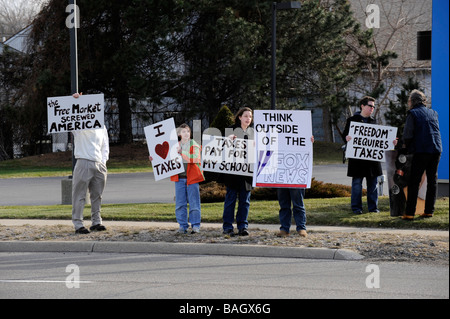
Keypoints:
pixel 357 167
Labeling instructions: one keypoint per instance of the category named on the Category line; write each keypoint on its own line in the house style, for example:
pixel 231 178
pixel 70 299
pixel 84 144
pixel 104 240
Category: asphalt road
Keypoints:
pixel 154 276
pixel 120 188
pixel 127 188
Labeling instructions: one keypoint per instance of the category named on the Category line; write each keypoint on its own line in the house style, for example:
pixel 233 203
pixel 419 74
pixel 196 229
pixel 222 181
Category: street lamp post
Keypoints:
pixel 73 63
pixel 72 9
pixel 277 6
pixel 74 49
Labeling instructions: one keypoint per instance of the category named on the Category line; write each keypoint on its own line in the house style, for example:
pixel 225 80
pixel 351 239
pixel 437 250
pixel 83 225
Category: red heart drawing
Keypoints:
pixel 162 149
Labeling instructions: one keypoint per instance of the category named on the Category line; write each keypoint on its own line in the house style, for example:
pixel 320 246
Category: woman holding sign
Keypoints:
pixel 238 185
pixel 359 169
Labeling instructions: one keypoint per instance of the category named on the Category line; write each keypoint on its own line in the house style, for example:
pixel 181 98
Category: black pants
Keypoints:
pixel 423 162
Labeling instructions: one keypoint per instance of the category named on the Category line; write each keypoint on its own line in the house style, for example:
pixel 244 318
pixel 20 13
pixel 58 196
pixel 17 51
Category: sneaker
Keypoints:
pixel 375 211
pixel 98 227
pixel 283 233
pixel 82 230
pixel 182 231
pixel 195 230
pixel 302 233
pixel 229 232
pixel 243 232
pixel 358 212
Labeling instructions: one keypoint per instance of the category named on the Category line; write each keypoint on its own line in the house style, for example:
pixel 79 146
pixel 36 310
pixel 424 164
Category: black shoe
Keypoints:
pixel 229 232
pixel 82 230
pixel 243 232
pixel 98 227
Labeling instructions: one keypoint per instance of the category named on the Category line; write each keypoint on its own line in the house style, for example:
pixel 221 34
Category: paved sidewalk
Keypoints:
pixel 270 227
pixel 192 248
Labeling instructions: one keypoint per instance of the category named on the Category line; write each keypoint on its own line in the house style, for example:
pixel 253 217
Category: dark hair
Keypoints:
pixel 241 111
pixel 417 98
pixel 365 100
pixel 181 127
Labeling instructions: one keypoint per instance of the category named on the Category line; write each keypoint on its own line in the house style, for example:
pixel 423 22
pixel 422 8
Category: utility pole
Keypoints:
pixel 72 8
pixel 277 6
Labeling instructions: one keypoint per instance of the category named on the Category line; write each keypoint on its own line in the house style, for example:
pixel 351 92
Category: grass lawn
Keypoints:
pixel 330 211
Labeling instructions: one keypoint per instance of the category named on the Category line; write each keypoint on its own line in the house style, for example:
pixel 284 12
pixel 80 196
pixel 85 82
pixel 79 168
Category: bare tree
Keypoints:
pixel 16 15
pixel 392 58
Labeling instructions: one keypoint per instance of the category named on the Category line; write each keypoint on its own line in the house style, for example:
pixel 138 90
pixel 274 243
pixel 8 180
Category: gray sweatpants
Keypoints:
pixel 87 175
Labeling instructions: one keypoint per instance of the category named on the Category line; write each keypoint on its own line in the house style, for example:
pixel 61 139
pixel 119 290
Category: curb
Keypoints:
pixel 180 248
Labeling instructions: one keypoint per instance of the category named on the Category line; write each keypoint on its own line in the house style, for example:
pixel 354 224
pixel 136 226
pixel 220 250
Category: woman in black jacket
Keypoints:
pixel 238 185
pixel 359 169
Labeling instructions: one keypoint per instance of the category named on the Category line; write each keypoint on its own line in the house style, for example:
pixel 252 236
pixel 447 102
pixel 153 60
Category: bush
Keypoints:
pixel 212 192
pixel 224 119
pixel 327 190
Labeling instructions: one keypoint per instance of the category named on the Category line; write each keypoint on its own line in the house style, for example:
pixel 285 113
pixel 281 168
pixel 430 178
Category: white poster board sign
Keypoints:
pixel 223 155
pixel 162 142
pixel 66 113
pixel 284 152
pixel 369 141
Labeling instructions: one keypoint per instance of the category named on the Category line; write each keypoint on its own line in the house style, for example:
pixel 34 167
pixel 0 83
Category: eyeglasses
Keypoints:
pixel 372 106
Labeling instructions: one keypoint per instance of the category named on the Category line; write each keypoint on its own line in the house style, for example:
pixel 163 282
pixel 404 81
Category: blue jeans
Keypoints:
pixel 243 208
pixel 372 194
pixel 185 194
pixel 285 197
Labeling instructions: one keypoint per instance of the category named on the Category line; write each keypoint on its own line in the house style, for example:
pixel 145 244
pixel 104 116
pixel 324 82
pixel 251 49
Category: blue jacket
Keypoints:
pixel 421 133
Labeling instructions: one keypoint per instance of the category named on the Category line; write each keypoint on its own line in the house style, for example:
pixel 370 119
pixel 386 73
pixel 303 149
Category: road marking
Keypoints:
pixel 43 281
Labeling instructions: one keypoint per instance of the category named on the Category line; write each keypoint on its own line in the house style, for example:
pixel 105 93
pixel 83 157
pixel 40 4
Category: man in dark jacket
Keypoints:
pixel 422 138
pixel 359 169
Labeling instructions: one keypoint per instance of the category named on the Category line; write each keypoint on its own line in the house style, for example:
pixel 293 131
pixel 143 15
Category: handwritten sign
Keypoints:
pixel 223 155
pixel 370 141
pixel 284 151
pixel 66 113
pixel 162 142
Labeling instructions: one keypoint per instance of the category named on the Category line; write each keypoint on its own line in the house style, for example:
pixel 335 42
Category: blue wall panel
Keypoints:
pixel 440 77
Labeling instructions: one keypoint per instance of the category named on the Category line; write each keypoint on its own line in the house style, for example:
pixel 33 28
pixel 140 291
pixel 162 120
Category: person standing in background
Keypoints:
pixel 187 188
pixel 91 150
pixel 294 196
pixel 359 169
pixel 422 138
pixel 238 185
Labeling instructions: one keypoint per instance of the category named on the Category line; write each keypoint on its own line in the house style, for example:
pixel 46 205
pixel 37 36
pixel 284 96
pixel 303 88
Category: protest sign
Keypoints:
pixel 66 113
pixel 284 153
pixel 223 155
pixel 370 141
pixel 162 142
